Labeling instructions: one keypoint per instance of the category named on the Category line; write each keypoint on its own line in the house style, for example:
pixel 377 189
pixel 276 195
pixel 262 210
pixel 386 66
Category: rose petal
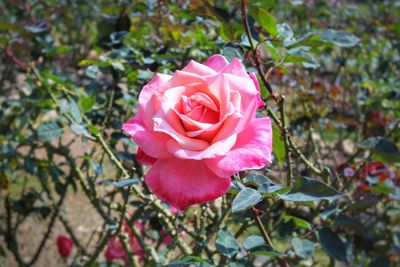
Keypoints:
pixel 161 125
pixel 182 183
pixel 218 148
pixel 204 100
pixel 216 62
pixel 144 158
pixel 235 68
pixel 152 143
pixel 184 78
pixel 251 151
pixel 149 96
pixel 260 102
pixel 220 89
pixel 199 69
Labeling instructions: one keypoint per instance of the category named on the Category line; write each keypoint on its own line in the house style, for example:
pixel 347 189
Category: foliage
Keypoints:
pixel 70 75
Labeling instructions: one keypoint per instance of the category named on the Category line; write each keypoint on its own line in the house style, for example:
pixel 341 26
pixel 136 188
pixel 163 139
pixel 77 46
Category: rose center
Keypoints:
pixel 200 107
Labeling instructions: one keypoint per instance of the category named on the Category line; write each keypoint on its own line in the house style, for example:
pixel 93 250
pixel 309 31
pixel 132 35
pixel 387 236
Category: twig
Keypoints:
pixel 49 229
pixel 286 141
pixel 262 229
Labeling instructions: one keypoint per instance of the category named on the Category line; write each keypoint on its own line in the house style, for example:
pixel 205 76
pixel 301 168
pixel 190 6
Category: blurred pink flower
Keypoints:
pixel 197 128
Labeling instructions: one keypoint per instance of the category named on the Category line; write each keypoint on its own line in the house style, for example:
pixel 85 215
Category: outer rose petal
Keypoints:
pixel 198 68
pixel 144 158
pixel 251 151
pixel 182 183
pixel 149 96
pixel 152 143
pixel 216 62
pixel 260 102
pixel 235 68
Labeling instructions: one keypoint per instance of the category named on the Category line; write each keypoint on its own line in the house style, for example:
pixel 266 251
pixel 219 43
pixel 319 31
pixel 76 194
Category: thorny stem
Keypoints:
pixel 258 64
pixel 262 229
pixel 285 137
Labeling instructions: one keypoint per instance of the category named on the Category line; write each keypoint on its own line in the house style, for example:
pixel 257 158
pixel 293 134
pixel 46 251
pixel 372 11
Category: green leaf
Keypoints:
pixel 86 102
pixel 274 52
pixel 269 252
pixel 226 243
pixel 49 131
pixel 246 198
pixel 263 183
pixel 81 130
pixel 350 223
pixel 387 149
pixel 285 31
pixel 267 21
pixel 307 189
pixel 93 129
pixel 310 40
pixel 297 221
pixel 332 244
pixel 92 71
pixel 231 52
pixel 189 261
pixel 253 241
pixel 303 247
pixel 300 55
pixel 126 182
pixel 339 38
pixel 75 112
pixel 278 145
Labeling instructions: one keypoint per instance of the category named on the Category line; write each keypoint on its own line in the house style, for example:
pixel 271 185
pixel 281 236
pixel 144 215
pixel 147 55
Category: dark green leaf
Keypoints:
pixel 331 210
pixel 303 247
pixel 339 38
pixel 387 149
pixel 80 130
pixel 226 243
pixel 297 221
pixel 332 244
pixel 285 31
pixel 49 131
pixel 246 198
pixel 92 71
pixel 231 52
pixel 75 112
pixel 263 183
pixel 309 39
pixel 307 189
pixel 253 241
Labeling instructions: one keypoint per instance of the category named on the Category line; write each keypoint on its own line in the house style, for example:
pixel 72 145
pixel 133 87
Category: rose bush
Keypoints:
pixel 197 128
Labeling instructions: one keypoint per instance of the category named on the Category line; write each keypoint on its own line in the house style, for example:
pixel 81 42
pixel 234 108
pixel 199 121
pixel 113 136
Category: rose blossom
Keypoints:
pixel 64 245
pixel 197 128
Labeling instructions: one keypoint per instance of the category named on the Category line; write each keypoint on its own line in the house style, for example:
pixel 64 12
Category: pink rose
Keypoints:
pixel 197 128
pixel 64 245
